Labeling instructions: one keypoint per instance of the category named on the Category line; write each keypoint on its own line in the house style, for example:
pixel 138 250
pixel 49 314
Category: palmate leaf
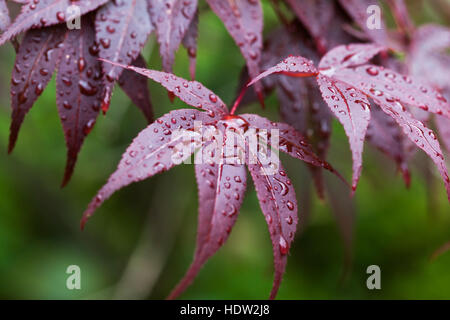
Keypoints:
pixel 343 68
pixel 43 13
pixel 172 19
pixel 122 28
pixel 221 183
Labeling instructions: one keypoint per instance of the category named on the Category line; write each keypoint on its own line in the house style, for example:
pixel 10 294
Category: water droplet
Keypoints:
pixel 289 220
pixel 133 153
pixel 290 205
pixel 376 92
pixel 60 16
pixel 283 246
pixel 86 88
pixel 66 105
pixel 106 43
pixel 213 98
pixel 373 71
pixel 88 126
pixel 43 72
pixel 81 64
pixel 39 88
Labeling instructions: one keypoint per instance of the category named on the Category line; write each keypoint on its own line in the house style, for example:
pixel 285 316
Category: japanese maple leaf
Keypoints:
pixel 428 58
pixel 190 43
pixel 122 28
pixel 244 22
pixel 221 175
pixel 347 82
pixel 36 59
pixel 43 13
pixel 172 20
pixel 79 82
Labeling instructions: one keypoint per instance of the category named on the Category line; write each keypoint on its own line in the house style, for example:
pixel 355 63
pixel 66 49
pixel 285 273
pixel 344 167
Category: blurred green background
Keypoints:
pixel 141 241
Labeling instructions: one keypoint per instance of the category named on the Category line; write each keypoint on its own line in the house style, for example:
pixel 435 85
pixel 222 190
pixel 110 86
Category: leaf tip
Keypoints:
pixel 171 96
pixel 106 100
pixel 10 147
pixel 83 221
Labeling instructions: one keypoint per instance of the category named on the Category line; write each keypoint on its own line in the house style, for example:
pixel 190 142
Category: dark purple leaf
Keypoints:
pixel 190 43
pixel 151 152
pixel 292 66
pixel 191 92
pixel 244 22
pixel 221 189
pixel 79 86
pixel 35 62
pixel 423 137
pixel 44 13
pixel 122 28
pixel 135 86
pixel 221 183
pixel 290 141
pixel 352 109
pixel 172 19
pixel 349 55
pixel 384 83
pixel 279 205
